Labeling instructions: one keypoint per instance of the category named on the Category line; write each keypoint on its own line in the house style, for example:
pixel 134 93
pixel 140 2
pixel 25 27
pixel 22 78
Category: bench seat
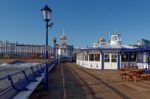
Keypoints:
pixel 23 95
pixel 31 87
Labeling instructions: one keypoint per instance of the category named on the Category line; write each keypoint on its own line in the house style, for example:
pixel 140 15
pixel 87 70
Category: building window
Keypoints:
pixel 97 57
pixel 113 58
pixel 140 57
pixel 148 59
pixel 82 56
pixel 86 57
pixel 91 57
pixel 79 56
pixel 145 58
pixel 114 38
pixel 124 57
pixel 133 57
pixel 106 58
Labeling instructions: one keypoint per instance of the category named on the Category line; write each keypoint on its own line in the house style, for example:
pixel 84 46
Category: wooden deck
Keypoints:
pixel 70 81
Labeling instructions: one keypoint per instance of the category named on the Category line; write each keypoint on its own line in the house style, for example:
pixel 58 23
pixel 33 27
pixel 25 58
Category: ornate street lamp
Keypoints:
pixel 47 17
pixel 46 13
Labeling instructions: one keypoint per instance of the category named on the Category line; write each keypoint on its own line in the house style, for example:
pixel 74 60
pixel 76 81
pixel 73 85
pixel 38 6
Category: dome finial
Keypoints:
pixel 63 37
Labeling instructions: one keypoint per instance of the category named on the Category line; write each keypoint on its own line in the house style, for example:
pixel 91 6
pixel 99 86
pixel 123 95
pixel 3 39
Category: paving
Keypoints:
pixel 70 81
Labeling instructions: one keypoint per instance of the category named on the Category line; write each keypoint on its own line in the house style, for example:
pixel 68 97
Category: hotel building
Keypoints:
pixel 16 50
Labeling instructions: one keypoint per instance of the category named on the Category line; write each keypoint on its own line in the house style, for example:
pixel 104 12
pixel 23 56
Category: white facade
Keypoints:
pixel 98 60
pixel 109 56
pixel 15 50
pixel 115 39
pixel 63 49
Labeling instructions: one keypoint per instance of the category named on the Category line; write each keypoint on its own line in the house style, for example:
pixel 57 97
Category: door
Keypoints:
pixel 110 61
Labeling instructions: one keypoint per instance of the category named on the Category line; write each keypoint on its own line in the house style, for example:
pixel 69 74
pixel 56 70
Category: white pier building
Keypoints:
pixel 112 55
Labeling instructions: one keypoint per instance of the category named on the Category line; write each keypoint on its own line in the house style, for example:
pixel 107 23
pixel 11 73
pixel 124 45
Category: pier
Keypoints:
pixel 75 49
pixel 71 81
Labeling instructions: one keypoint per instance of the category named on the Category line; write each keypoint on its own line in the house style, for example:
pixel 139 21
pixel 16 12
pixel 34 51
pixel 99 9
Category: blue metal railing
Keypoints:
pixel 12 84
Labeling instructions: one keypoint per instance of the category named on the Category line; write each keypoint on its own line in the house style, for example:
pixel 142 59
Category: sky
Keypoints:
pixel 84 21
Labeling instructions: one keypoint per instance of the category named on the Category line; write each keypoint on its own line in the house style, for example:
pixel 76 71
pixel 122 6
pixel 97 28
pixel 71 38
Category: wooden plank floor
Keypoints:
pixel 70 81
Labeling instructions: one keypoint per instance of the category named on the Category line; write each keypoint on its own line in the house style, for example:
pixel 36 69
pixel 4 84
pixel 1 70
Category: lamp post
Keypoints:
pixel 47 17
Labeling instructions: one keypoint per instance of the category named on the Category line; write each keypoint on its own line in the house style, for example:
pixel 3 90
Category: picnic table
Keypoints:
pixel 131 74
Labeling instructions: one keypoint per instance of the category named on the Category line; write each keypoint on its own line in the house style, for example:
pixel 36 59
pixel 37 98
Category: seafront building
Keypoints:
pixel 31 51
pixel 16 50
pixel 114 55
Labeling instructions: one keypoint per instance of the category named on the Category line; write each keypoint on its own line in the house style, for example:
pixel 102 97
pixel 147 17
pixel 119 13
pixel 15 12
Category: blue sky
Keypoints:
pixel 84 21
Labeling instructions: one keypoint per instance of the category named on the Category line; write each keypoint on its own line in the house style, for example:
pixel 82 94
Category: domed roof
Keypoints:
pixel 63 37
pixel 101 39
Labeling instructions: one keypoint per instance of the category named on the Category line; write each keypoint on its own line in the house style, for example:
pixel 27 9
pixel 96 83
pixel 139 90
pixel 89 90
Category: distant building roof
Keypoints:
pixel 143 43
